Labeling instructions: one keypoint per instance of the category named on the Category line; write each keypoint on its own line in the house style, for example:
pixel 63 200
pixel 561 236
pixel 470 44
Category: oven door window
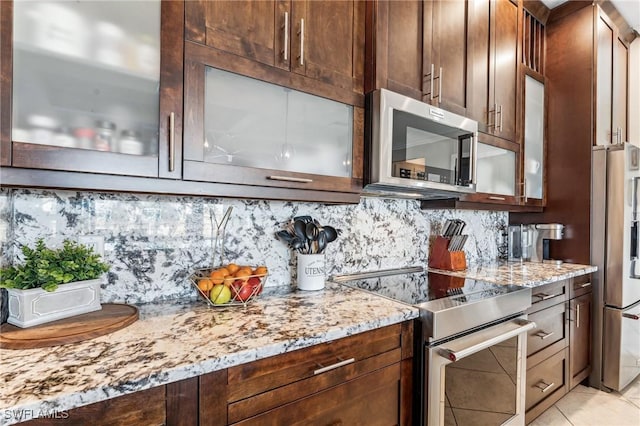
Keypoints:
pixel 481 389
pixel 424 149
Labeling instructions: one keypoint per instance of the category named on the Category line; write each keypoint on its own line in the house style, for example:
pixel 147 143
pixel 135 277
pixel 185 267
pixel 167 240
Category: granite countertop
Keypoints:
pixel 175 341
pixel 527 274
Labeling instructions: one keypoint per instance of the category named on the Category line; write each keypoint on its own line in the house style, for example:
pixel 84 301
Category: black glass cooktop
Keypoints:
pixel 418 287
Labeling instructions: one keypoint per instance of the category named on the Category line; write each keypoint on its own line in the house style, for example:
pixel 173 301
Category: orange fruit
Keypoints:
pixel 205 284
pixel 243 273
pixel 225 272
pixel 228 280
pixel 232 268
pixel 260 271
pixel 217 276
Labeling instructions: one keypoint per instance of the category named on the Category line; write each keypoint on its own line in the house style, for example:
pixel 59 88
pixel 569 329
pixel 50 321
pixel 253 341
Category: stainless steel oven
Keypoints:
pixel 471 344
pixel 416 148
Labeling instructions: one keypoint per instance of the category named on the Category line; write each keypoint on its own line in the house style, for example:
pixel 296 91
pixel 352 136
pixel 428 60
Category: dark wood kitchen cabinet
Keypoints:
pixel 365 377
pixel 493 61
pixel 73 104
pixel 320 40
pixel 573 124
pixel 559 348
pixel 611 55
pixel 172 405
pixel 445 54
pixel 419 49
pixel 580 332
pixel 294 125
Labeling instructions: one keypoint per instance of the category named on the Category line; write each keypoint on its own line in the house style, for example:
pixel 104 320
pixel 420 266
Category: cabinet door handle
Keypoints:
pixel 431 88
pixel 545 296
pixel 493 197
pixel 544 335
pixel 440 86
pixel 492 110
pixel 583 285
pixel 577 316
pixel 290 179
pixel 631 316
pixel 333 366
pixel 172 141
pixel 301 32
pixel 619 135
pixel 285 53
pixel 499 111
pixel 524 190
pixel 544 387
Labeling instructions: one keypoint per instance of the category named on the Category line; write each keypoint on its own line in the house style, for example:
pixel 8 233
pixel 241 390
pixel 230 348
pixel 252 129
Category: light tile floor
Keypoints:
pixel 585 406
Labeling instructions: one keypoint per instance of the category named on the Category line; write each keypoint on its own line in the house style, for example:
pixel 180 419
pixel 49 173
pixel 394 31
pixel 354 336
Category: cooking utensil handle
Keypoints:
pixel 544 387
pixel 285 54
pixel 172 141
pixel 333 366
pixel 523 327
pixel 290 179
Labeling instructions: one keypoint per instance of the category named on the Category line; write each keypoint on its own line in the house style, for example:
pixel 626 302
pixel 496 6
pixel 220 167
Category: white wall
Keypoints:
pixel 634 92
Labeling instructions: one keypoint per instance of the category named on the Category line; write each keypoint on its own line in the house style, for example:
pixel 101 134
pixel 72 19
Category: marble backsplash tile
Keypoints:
pixel 152 242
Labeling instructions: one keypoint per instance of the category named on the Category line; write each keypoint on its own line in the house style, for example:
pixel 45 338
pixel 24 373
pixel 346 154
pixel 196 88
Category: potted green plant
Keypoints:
pixel 52 284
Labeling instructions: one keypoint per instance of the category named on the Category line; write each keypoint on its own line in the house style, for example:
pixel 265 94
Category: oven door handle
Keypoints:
pixel 484 339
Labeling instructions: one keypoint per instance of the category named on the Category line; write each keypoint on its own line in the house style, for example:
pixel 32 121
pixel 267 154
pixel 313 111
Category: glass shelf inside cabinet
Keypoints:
pixel 86 74
pixel 252 123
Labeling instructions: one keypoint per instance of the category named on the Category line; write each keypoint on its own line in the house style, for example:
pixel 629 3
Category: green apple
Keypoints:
pixel 220 294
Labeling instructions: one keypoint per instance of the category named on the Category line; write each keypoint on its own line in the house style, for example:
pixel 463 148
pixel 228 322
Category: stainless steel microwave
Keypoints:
pixel 415 150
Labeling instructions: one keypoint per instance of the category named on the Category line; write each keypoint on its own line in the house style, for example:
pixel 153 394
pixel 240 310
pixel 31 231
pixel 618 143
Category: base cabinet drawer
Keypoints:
pixel 377 397
pixel 550 335
pixel 546 383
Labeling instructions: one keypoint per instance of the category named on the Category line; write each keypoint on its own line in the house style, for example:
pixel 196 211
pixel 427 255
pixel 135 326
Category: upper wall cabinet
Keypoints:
pixel 611 77
pixel 274 97
pixel 445 54
pixel 420 50
pixel 94 87
pixel 493 47
pixel 318 40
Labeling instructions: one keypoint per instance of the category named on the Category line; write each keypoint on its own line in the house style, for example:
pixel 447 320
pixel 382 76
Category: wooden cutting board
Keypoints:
pixel 111 317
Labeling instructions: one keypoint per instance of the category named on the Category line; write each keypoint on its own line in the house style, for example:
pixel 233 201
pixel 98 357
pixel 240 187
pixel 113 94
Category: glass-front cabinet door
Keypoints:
pixel 533 176
pixel 496 173
pixel 89 93
pixel 248 131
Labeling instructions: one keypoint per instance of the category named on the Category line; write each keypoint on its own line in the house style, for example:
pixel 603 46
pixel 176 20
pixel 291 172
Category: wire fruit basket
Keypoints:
pixel 221 288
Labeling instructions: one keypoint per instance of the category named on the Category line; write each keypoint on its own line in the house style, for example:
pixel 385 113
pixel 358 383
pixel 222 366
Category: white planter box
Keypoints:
pixel 36 306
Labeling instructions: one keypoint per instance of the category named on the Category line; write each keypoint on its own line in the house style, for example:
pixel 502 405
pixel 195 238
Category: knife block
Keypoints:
pixel 441 258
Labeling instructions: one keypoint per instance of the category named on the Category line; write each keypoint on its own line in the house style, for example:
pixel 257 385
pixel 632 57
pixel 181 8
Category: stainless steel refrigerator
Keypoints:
pixel 615 227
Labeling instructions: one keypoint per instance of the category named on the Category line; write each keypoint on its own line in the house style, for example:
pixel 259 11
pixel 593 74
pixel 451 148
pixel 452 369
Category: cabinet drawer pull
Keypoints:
pixel 285 53
pixel 172 141
pixel 301 42
pixel 544 335
pixel 290 179
pixel 631 316
pixel 583 285
pixel 544 387
pixel 333 366
pixel 545 296
pixel 493 197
